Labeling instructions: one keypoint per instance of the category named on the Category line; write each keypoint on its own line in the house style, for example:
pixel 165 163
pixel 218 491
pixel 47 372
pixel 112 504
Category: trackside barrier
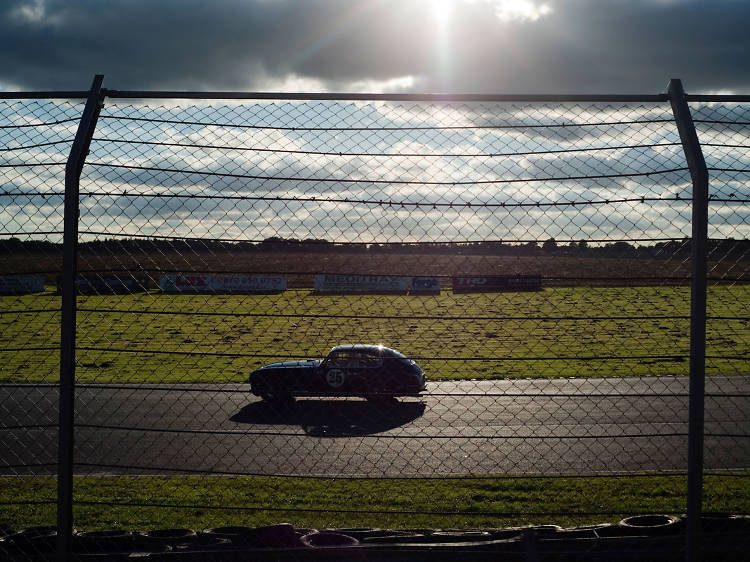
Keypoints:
pixel 361 283
pixel 604 201
pixel 21 284
pixel 631 539
pixel 235 284
pixel 424 285
pixel 492 284
pixel 394 284
pixel 104 284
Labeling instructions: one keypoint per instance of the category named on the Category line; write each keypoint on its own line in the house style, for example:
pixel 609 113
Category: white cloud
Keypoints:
pixel 8 87
pixel 31 12
pixel 34 12
pixel 418 154
pixel 500 46
pixel 508 11
pixel 295 83
pixel 390 85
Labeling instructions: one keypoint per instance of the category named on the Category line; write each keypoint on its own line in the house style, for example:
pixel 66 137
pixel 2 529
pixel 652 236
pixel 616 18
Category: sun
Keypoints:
pixel 442 11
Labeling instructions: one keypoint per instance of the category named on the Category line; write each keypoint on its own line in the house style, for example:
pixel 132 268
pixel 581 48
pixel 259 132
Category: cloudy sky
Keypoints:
pixel 473 46
pixel 375 171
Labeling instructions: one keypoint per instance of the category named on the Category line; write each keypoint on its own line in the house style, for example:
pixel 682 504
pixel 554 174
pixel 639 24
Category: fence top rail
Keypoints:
pixel 435 97
pixel 168 94
pixel 423 97
pixel 723 98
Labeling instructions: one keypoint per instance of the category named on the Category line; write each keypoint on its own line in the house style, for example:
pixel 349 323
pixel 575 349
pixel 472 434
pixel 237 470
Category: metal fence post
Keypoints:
pixel 699 175
pixel 73 168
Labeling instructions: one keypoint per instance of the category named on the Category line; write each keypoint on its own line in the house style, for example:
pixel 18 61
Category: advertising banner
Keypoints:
pixel 201 283
pixel 424 285
pixel 326 283
pixel 21 284
pixel 497 284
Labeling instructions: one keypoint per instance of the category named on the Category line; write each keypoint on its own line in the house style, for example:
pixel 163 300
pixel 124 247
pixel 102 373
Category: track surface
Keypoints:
pixel 566 426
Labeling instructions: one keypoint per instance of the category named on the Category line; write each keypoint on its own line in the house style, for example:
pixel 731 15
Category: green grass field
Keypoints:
pixel 198 338
pixel 123 502
pixel 558 332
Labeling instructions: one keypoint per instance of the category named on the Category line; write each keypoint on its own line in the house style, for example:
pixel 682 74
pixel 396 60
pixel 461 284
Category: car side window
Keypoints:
pixel 370 361
pixel 342 360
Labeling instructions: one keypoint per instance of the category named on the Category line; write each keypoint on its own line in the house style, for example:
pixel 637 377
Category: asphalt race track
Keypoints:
pixel 565 426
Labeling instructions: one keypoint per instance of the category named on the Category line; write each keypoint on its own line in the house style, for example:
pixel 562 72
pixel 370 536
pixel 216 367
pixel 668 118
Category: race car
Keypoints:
pixel 370 371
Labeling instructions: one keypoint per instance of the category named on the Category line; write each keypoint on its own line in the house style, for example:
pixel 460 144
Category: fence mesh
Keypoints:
pixel 35 138
pixel 216 238
pixel 724 132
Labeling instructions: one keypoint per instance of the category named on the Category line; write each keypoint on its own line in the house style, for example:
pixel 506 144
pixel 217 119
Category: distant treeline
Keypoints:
pixel 723 247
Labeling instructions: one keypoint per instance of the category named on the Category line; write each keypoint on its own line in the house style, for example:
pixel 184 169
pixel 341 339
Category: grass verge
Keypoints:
pixel 557 332
pixel 146 502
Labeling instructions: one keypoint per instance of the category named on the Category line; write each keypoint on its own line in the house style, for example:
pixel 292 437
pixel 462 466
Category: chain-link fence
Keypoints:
pixel 531 258
pixel 724 131
pixel 35 138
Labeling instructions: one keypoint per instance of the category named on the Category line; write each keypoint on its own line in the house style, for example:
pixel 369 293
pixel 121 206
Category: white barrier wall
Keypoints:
pixel 361 283
pixel 333 283
pixel 200 283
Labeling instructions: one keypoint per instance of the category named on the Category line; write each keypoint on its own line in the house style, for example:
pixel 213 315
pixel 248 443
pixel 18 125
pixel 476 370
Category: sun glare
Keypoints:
pixel 442 9
pixel 513 10
pixel 516 10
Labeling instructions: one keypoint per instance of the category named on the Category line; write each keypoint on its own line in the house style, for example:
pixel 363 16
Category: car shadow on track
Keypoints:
pixel 332 418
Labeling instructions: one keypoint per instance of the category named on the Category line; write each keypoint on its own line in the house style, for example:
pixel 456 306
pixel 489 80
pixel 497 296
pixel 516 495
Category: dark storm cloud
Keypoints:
pixel 581 46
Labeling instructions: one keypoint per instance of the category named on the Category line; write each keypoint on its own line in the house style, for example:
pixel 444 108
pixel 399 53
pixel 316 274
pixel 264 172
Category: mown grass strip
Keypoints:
pixel 146 502
pixel 151 337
